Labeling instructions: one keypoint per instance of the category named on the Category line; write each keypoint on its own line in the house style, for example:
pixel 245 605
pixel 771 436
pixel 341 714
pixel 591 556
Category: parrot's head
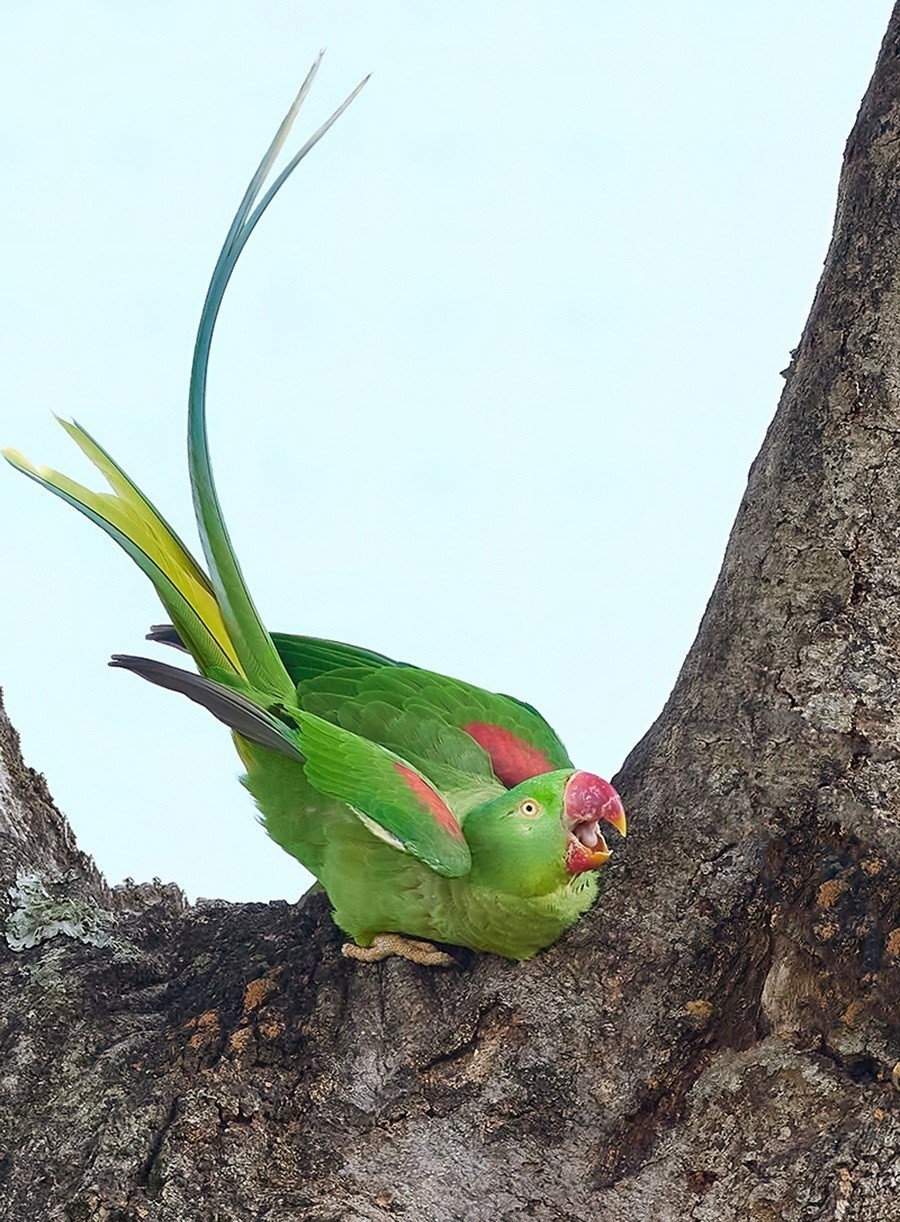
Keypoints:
pixel 543 831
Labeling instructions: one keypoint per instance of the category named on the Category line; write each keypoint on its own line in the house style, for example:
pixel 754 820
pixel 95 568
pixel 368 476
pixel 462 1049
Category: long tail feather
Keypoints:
pixel 253 643
pixel 216 619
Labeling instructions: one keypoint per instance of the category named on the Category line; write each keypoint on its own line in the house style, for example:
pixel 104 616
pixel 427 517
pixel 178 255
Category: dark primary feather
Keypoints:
pixel 166 634
pixel 230 707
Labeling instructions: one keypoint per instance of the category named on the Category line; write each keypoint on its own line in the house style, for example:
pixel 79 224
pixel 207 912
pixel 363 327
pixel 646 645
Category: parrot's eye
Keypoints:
pixel 529 808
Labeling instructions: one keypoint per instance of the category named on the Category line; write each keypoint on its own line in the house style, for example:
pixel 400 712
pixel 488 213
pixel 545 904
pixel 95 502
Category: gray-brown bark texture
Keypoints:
pixel 715 1041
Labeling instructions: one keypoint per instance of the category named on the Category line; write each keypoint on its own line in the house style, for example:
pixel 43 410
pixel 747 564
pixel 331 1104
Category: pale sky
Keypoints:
pixel 487 383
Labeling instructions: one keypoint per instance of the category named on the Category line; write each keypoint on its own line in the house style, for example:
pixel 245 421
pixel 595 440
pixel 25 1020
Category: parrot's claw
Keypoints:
pixel 386 944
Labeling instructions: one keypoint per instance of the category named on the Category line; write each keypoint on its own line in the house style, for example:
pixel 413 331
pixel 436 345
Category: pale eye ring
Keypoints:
pixel 529 808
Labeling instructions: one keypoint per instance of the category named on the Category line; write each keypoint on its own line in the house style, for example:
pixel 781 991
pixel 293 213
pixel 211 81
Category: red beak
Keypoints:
pixel 588 801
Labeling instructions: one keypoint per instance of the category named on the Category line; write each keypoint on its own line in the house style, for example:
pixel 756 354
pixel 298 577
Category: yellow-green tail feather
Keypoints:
pixel 127 516
pixel 258 655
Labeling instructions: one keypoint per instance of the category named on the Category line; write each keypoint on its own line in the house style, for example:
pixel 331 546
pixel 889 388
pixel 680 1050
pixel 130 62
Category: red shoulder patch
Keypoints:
pixel 431 800
pixel 512 758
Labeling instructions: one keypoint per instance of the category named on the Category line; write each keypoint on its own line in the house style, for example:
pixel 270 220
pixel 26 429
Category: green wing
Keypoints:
pixel 463 737
pixel 453 762
pixel 488 735
pixel 394 800
pixel 306 657
pixel 334 678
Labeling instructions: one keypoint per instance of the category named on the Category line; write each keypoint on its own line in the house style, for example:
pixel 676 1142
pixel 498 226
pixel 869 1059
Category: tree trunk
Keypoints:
pixel 718 1039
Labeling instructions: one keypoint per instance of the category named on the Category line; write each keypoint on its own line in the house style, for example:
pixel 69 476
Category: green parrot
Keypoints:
pixel 429 810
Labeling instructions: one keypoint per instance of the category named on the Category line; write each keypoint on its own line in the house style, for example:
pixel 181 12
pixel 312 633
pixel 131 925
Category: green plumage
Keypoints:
pixel 424 806
pixel 516 899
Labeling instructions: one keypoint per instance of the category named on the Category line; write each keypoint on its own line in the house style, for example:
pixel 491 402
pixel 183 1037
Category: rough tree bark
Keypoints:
pixel 717 1040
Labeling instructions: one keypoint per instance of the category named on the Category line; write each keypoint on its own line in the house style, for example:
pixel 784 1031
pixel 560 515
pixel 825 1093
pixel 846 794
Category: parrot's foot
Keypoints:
pixel 386 944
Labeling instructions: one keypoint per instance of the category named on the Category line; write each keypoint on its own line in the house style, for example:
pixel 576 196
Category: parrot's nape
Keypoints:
pixel 430 810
